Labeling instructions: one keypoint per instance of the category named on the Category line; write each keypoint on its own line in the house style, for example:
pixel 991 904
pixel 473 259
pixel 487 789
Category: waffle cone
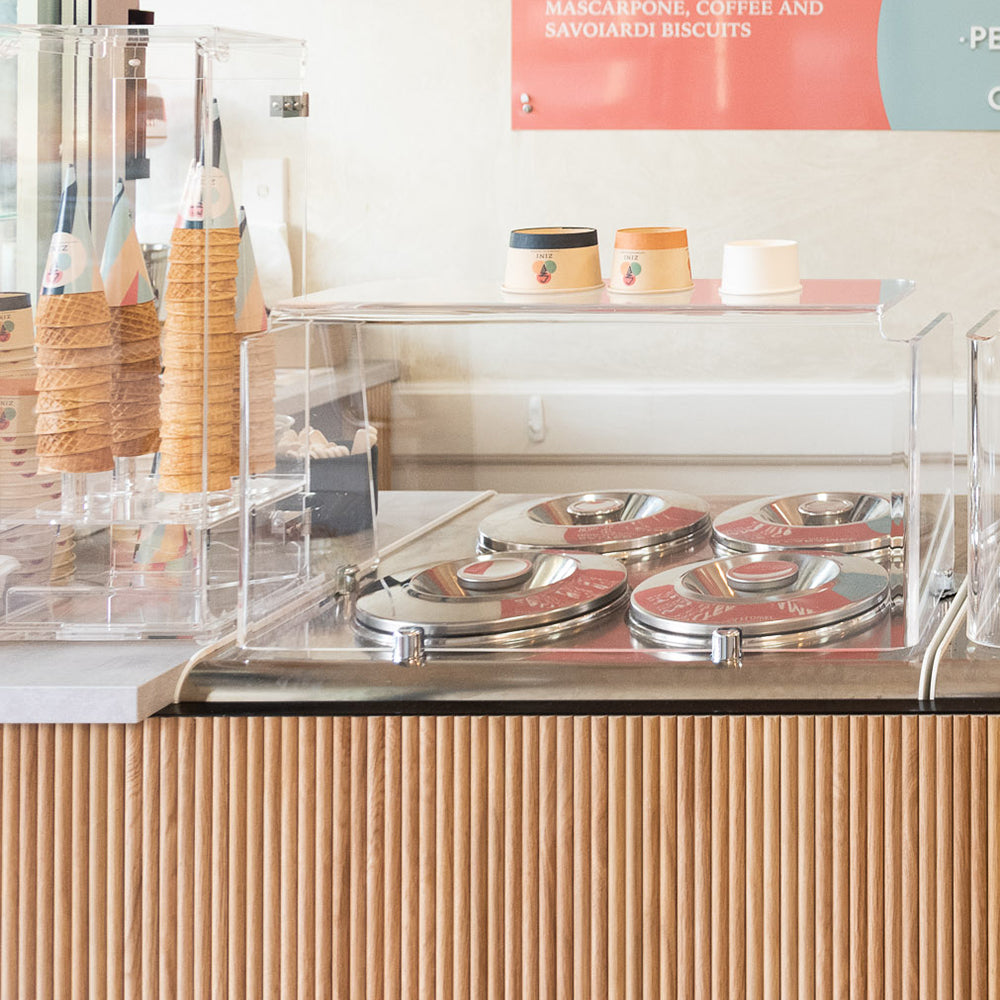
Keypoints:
pixel 223 305
pixel 195 256
pixel 75 309
pixel 86 418
pixel 139 371
pixel 66 399
pixel 74 337
pixel 179 483
pixel 215 395
pixel 98 460
pixel 72 442
pixel 221 323
pixel 72 378
pixel 139 350
pixel 189 273
pixel 86 357
pixel 142 445
pixel 198 376
pixel 218 286
pixel 142 397
pixel 217 236
pixel 137 415
pixel 136 322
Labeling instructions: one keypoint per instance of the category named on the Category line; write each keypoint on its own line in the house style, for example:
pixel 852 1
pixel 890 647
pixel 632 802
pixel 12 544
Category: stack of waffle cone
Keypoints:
pixel 135 394
pixel 261 359
pixel 76 361
pixel 199 411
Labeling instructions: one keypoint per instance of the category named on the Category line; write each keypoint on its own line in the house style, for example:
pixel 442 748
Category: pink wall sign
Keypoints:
pixel 755 64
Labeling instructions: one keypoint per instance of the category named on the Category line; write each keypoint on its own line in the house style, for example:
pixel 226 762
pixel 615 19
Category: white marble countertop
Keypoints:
pixel 89 682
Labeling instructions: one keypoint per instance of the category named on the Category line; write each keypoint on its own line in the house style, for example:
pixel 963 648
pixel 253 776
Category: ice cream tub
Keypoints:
pixel 553 259
pixel 17 408
pixel 651 260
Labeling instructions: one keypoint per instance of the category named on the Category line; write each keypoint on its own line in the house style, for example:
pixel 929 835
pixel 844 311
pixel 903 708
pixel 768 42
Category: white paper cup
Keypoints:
pixel 553 259
pixel 651 260
pixel 760 267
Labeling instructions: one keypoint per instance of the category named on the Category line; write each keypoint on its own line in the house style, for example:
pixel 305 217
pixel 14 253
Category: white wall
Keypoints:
pixel 415 169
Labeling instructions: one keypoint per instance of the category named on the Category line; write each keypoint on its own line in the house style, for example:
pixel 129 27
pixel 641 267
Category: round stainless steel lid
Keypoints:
pixel 836 522
pixel 557 587
pixel 626 521
pixel 794 592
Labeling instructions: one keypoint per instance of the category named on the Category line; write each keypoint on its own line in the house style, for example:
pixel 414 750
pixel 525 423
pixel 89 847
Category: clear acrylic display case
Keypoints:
pixel 502 402
pixel 173 124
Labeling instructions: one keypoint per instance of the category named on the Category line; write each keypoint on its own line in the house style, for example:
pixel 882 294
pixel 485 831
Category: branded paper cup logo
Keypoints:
pixel 6 330
pixel 544 269
pixel 7 415
pixel 630 271
pixel 66 262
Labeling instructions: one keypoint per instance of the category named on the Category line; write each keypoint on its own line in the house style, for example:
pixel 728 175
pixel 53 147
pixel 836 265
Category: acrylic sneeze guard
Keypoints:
pixel 490 401
pixel 157 128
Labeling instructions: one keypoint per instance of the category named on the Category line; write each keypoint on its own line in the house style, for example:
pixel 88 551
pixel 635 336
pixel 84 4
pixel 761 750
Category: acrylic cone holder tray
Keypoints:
pixel 598 482
pixel 119 486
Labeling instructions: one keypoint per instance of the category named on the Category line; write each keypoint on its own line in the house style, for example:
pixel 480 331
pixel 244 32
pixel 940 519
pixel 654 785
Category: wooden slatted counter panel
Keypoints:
pixel 634 857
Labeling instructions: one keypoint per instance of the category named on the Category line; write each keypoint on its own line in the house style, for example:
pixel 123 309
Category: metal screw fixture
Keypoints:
pixel 526 104
pixel 408 646
pixel 727 646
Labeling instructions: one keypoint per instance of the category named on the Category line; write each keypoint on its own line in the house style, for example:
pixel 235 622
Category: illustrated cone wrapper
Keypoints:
pixel 199 413
pixel 135 336
pixel 251 318
pixel 74 345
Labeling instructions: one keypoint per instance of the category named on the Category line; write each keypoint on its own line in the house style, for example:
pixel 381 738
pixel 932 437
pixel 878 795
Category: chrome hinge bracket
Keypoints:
pixel 290 105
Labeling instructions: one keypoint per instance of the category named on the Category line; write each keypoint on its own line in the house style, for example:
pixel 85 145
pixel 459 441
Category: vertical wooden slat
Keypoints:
pixel 668 858
pixel 187 751
pixel 633 856
pixel 599 857
pixel 409 858
pixel 305 930
pixel 203 815
pixel 495 860
pixel 513 833
pixel 546 858
pixel 910 897
pixel 428 843
pixel 806 876
pixel 789 864
pixel 219 855
pixel 27 840
pixel 323 965
pixel 289 891
pixel 359 859
pixel 650 859
pixel 97 863
pixel 149 793
pixel 893 848
pixel 961 854
pixel 461 898
pixel 993 856
pixel 927 866
pixel 737 860
pixel 392 855
pixel 375 884
pixel 444 872
pixel 237 951
pixel 720 824
pixel 10 752
pixel 755 858
pixel 254 836
pixel 944 860
pixel 272 835
pixel 80 857
pixel 771 922
pixel 45 865
pixel 823 910
pixel 115 889
pixel 167 915
pixel 686 763
pixel 62 846
pixel 874 912
pixel 857 846
pixel 978 862
pixel 616 857
pixel 841 805
pixel 703 856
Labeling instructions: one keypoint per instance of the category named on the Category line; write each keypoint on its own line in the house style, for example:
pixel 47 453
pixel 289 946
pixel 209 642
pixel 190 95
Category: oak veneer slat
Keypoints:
pixel 271 950
pixel 289 884
pixel 978 860
pixel 115 888
pixel 427 845
pixel 788 846
pixel 771 921
pixel 944 860
pixel 167 876
pixel 599 856
pixel 187 752
pixel 857 840
pixel 823 909
pixel 359 857
pixel 668 858
pixel 306 864
pixel 841 849
pixel 203 816
pixel 97 864
pixel 703 856
pixel 546 858
pixel 392 859
pixel 719 827
pixel 755 858
pixel 62 846
pixel 633 856
pixel 27 840
pixel 993 857
pixel 806 874
pixel 80 869
pixel 892 852
pixel 961 858
pixel 444 872
pixel 410 858
pixel 219 856
pixel 479 857
pixel 616 857
pixel 461 897
pixel 686 764
pixel 513 834
pixel 875 869
pixel 254 839
pixel 737 860
pixel 650 818
pixel 45 867
pixel 10 752
pixel 927 866
pixel 496 789
pixel 375 885
pixel 910 851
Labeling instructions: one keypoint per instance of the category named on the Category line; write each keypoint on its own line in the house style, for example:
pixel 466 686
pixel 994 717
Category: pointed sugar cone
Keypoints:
pixel 123 268
pixel 251 315
pixel 73 301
